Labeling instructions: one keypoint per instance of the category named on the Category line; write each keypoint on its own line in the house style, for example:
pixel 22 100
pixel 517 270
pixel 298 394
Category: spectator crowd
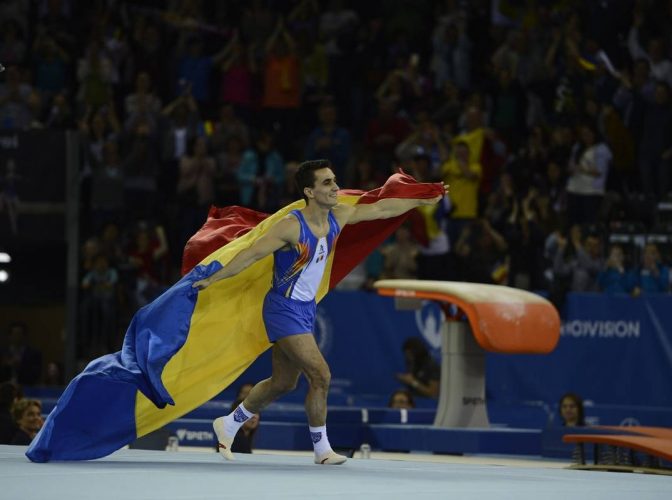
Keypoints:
pixel 551 121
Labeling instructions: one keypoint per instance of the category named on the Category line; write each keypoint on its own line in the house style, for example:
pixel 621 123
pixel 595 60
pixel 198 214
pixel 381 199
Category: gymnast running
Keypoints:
pixel 301 243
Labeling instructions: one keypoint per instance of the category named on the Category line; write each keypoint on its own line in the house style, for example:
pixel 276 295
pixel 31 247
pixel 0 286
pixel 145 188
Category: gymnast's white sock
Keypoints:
pixel 235 420
pixel 320 442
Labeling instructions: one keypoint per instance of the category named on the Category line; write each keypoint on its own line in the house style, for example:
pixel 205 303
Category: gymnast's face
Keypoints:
pixel 325 190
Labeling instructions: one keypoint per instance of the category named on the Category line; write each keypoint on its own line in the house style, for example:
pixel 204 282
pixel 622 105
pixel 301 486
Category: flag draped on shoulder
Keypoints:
pixel 188 345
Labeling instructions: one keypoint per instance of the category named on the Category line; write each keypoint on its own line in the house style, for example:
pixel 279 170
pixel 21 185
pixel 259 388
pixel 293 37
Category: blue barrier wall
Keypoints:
pixel 615 351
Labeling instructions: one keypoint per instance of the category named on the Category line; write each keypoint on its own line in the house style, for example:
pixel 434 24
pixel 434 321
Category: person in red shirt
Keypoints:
pixel 148 257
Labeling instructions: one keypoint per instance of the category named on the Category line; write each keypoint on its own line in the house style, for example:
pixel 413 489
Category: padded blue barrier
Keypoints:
pixel 605 340
pixel 388 437
pixel 295 413
pixel 614 351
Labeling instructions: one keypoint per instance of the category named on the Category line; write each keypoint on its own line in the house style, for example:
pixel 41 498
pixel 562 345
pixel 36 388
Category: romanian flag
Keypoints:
pixel 188 345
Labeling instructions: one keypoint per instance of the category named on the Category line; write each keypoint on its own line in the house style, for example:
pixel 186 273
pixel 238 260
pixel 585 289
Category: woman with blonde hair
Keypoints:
pixel 27 413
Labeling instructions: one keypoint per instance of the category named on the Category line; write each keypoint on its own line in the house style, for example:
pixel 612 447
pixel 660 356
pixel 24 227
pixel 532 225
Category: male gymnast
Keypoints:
pixel 301 243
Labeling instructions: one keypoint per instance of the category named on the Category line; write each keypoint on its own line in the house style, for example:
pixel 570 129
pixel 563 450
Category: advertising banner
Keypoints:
pixel 614 351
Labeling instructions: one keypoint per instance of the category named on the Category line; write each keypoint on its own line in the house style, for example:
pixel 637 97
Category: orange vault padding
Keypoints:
pixel 502 319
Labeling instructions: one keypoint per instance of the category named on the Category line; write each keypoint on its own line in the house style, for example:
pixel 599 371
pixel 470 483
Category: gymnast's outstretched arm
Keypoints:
pixel 284 232
pixel 382 209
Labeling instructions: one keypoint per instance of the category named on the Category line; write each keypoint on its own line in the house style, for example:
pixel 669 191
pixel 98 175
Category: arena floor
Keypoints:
pixel 187 475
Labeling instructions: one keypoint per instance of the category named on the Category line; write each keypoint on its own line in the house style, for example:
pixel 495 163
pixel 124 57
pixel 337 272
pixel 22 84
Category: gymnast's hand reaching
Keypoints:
pixel 202 284
pixel 436 199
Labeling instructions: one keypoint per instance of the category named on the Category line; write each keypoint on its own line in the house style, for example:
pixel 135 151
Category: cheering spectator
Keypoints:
pixel 107 189
pixel 586 185
pixel 196 187
pixel 578 263
pixel 148 256
pixel 142 105
pixel 614 277
pixel 428 137
pixel 451 60
pixel 261 175
pixel 481 252
pixel 400 256
pixel 99 306
pixel 181 124
pixel 228 126
pixel 652 276
pixel 141 169
pixel 661 67
pixel 282 85
pixel 463 176
pixel 238 69
pixel 330 141
pixel 96 74
pixel 525 239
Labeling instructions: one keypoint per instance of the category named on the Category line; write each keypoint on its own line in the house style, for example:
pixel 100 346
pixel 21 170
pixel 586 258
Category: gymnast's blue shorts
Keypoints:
pixel 284 317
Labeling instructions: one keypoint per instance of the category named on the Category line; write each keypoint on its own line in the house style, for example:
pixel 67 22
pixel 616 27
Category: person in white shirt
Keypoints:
pixel 661 68
pixel 588 167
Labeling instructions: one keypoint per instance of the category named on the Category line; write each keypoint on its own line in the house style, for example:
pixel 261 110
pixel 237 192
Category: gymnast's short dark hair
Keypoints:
pixel 305 175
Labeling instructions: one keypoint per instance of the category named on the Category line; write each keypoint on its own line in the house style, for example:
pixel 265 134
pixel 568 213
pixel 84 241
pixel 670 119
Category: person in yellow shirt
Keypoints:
pixel 474 134
pixel 464 175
